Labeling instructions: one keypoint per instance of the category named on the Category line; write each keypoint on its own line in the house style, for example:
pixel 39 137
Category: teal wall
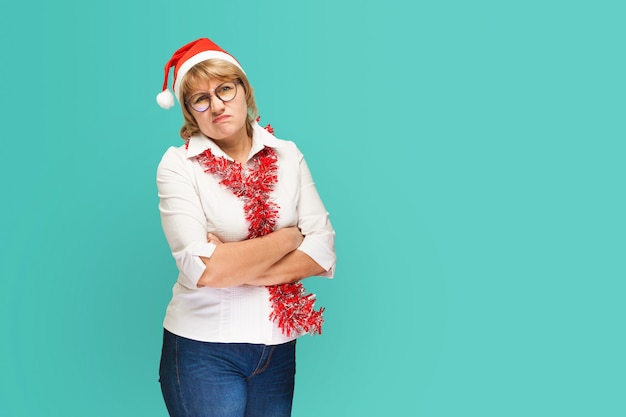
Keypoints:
pixel 471 155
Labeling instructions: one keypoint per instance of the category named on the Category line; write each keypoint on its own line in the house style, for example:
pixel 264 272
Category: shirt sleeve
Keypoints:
pixel 314 223
pixel 182 217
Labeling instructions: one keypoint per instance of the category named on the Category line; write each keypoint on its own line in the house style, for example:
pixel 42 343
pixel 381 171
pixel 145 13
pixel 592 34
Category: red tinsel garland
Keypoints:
pixel 292 309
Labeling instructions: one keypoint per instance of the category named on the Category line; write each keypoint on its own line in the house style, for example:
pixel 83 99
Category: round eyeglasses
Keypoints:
pixel 201 101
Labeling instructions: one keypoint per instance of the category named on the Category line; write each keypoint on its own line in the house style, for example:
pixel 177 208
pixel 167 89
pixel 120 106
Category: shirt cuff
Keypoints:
pixel 321 248
pixel 189 263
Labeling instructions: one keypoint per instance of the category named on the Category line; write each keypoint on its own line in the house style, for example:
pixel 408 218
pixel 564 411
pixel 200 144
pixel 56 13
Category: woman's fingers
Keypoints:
pixel 211 238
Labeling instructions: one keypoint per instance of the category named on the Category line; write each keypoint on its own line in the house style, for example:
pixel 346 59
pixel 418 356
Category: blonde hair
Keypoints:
pixel 214 69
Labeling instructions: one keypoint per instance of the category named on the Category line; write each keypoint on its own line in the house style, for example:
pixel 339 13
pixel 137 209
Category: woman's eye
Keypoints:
pixel 225 88
pixel 201 98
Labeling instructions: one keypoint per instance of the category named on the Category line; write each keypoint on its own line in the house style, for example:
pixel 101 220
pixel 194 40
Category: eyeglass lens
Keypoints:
pixel 202 101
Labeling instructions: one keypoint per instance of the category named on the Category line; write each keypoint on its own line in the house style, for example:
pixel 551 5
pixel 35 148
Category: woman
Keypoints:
pixel 245 223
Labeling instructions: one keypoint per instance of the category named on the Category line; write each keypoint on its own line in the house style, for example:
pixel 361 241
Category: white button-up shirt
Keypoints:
pixel 193 203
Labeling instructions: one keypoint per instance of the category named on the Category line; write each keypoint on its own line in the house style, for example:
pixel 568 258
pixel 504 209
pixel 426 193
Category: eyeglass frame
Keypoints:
pixel 236 81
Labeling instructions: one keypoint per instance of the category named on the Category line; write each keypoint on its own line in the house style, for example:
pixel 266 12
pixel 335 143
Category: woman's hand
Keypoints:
pixel 294 233
pixel 211 238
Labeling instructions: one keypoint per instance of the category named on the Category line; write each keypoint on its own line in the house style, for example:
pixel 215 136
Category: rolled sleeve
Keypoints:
pixel 189 263
pixel 314 223
pixel 320 247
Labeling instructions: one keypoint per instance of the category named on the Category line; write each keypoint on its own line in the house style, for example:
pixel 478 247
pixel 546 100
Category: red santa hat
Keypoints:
pixel 186 57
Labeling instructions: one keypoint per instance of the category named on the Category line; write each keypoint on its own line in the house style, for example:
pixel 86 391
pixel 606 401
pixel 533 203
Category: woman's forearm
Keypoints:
pixel 233 263
pixel 294 266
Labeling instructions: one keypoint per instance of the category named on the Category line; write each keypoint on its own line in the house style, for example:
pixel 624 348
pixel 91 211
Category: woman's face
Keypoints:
pixel 223 120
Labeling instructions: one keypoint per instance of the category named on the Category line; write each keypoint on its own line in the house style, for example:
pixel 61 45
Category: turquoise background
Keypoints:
pixel 471 155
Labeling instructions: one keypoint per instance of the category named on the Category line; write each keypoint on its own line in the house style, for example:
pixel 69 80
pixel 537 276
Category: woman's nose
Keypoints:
pixel 217 105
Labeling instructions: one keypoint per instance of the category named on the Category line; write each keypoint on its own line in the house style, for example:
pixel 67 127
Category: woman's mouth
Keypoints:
pixel 221 118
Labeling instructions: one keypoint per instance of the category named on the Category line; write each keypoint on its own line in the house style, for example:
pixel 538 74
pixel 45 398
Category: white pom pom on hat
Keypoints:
pixel 183 60
pixel 165 99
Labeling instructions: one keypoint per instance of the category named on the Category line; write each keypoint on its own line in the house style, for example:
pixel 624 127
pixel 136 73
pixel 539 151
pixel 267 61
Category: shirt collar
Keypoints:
pixel 260 139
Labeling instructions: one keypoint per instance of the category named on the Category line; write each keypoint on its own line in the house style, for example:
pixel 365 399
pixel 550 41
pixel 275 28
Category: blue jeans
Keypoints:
pixel 202 379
